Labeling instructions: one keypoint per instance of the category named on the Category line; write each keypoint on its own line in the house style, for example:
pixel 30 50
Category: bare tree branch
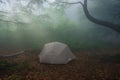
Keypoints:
pixel 95 20
pixel 98 21
pixel 79 2
pixel 8 21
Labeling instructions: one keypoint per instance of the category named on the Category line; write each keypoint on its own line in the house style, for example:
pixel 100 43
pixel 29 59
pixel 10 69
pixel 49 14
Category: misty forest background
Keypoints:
pixel 37 24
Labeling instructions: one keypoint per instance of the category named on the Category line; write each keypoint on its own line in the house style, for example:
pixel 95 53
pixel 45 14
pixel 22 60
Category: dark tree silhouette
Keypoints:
pixel 107 24
pixel 95 20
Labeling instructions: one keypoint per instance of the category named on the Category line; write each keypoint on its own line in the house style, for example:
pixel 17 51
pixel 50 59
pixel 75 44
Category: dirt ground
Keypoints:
pixel 88 65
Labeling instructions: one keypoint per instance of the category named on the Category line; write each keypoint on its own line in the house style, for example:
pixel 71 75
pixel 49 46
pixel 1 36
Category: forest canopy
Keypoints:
pixel 31 23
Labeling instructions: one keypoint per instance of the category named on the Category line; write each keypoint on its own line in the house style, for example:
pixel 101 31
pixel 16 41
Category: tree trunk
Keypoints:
pixel 100 22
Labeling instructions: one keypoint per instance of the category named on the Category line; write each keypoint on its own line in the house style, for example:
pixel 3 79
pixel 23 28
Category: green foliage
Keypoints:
pixel 36 34
pixel 52 24
pixel 5 65
pixel 24 65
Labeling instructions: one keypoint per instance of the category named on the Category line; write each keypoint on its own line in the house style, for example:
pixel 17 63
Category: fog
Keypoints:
pixel 21 27
pixel 93 32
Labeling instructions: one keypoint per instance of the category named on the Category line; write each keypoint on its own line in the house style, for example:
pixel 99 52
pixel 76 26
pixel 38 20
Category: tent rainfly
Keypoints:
pixel 56 53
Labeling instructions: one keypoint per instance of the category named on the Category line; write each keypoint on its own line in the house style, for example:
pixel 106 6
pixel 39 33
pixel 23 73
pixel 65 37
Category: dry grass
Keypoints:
pixel 85 67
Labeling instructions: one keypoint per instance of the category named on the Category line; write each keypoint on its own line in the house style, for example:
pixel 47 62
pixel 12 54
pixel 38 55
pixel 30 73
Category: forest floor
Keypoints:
pixel 88 65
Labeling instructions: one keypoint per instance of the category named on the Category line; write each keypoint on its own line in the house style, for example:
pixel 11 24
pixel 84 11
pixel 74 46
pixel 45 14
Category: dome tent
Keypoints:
pixel 56 53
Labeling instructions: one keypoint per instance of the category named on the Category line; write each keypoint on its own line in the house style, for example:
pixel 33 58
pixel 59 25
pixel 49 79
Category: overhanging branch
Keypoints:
pixel 8 21
pixel 95 20
pixel 79 2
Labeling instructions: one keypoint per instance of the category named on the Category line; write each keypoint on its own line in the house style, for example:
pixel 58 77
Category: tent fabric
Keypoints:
pixel 56 53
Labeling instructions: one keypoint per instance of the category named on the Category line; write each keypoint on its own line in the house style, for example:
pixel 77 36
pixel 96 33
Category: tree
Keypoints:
pixel 40 3
pixel 95 20
pixel 29 8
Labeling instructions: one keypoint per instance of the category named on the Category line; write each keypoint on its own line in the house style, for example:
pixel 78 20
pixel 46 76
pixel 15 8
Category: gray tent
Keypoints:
pixel 56 53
